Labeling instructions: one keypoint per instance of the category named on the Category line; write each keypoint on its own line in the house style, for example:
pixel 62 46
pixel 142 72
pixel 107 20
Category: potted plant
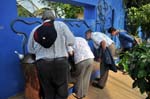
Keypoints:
pixel 137 63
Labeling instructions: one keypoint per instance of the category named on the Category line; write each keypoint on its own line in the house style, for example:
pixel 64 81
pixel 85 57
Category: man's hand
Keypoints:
pixel 103 44
pixel 98 60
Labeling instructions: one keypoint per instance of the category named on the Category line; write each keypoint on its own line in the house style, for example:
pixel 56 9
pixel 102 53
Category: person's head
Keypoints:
pixel 112 31
pixel 48 15
pixel 88 34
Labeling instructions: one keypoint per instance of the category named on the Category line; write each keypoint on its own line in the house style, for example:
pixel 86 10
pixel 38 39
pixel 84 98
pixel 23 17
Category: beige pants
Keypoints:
pixel 83 80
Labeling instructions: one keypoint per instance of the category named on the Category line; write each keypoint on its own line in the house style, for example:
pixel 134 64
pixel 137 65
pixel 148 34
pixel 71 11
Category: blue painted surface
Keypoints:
pixel 11 77
pixel 11 74
pixel 95 75
pixel 78 27
pixel 70 90
pixel 97 16
pixel 105 18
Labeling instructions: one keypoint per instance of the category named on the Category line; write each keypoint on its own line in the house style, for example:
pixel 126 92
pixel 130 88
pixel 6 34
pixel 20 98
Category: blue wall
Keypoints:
pixel 11 74
pixel 106 18
pixel 104 14
pixel 97 15
pixel 11 77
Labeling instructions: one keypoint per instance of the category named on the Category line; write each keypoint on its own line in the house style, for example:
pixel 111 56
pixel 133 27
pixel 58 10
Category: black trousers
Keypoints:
pixel 53 76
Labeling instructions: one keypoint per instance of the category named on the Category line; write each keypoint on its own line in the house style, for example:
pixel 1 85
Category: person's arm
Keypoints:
pixel 68 35
pixel 31 43
pixel 70 50
pixel 101 50
pixel 103 44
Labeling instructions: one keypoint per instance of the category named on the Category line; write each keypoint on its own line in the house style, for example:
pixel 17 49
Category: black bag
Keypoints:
pixel 46 34
pixel 71 62
pixel 108 60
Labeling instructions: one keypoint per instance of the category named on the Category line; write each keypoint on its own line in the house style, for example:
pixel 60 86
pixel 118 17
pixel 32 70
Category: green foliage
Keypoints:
pixel 61 10
pixel 65 10
pixel 137 64
pixel 135 3
pixel 139 17
pixel 71 11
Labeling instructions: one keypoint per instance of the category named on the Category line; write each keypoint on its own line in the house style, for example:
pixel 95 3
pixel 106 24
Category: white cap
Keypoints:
pixel 48 14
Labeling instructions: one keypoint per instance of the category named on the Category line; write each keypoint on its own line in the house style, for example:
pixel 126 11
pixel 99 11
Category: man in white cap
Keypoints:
pixel 48 42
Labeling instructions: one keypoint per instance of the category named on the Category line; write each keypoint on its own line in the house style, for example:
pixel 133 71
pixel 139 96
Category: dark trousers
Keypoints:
pixel 53 76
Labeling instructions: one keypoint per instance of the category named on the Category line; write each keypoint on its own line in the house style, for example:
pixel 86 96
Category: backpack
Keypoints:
pixel 46 34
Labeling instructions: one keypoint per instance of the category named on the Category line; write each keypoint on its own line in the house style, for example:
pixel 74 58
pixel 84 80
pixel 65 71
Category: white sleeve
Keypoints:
pixel 68 34
pixel 69 48
pixel 31 42
pixel 97 39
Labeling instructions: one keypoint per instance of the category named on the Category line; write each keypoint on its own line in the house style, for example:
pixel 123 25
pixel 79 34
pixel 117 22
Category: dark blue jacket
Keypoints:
pixel 107 59
pixel 126 40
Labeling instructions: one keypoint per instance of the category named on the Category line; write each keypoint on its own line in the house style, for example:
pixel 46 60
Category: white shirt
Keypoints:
pixel 58 49
pixel 81 50
pixel 98 37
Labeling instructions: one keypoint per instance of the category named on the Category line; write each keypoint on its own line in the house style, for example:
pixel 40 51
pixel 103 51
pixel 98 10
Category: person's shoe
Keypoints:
pixel 124 73
pixel 97 79
pixel 77 96
pixel 97 85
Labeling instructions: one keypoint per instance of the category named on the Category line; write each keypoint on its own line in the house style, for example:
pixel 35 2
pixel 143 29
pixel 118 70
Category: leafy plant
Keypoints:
pixel 137 63
pixel 61 10
pixel 135 3
pixel 65 10
pixel 139 17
